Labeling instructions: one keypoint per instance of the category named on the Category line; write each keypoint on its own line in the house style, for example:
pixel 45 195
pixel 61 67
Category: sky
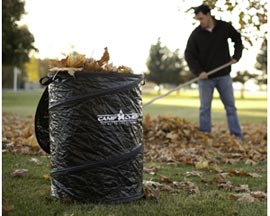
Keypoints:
pixel 127 27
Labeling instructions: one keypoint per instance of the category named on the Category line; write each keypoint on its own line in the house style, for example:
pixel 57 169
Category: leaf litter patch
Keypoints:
pixel 172 140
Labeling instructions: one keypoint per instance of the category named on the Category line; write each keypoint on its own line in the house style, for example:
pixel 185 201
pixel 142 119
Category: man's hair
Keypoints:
pixel 202 8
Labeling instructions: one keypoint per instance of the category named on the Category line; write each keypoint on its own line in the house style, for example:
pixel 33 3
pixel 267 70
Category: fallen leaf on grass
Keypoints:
pixel 167 188
pixel 7 209
pixel 206 181
pixel 192 188
pixel 194 173
pixel 204 164
pixel 250 162
pixel 165 179
pixel 219 178
pixel 234 172
pixel 226 186
pixel 249 197
pixel 217 169
pixel 244 197
pixel 241 172
pixel 46 177
pixel 20 173
pixel 242 188
pixel 259 195
pixel 151 189
pixel 151 170
pixel 255 175
pixel 187 186
pixel 151 193
pixel 35 161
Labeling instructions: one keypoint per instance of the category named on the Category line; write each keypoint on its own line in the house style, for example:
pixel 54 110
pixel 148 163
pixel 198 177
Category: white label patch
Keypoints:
pixel 120 118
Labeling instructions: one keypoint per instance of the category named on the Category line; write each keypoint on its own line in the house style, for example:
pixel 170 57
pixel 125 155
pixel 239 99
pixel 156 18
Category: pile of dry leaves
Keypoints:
pixel 167 139
pixel 78 62
pixel 173 139
pixel 18 135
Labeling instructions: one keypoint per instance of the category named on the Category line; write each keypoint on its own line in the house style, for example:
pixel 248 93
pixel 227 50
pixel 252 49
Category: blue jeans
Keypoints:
pixel 224 86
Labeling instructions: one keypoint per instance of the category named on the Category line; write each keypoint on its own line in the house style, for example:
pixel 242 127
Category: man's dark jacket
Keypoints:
pixel 208 50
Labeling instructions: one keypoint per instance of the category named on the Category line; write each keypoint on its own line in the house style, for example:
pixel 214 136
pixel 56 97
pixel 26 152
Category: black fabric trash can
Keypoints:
pixel 91 125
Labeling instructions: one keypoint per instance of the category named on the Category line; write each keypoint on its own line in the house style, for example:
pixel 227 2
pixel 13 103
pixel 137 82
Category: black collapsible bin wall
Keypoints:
pixel 95 135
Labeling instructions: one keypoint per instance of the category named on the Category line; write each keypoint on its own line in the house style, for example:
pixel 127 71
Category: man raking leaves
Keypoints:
pixel 207 48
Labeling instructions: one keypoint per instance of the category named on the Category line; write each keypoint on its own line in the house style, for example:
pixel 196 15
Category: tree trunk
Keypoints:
pixel 159 89
pixel 242 91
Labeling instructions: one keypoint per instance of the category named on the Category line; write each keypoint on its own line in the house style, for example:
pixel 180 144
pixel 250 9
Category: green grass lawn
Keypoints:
pixel 30 195
pixel 185 104
pixel 253 108
pixel 22 102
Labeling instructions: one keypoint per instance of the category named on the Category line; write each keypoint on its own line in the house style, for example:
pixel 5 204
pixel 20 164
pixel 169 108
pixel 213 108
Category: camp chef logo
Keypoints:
pixel 119 118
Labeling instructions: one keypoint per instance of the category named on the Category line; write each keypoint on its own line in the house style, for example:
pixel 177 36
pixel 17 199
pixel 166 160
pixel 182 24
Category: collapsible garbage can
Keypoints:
pixel 91 124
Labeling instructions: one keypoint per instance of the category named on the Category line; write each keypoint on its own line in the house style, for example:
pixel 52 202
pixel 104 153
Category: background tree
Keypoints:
pixel 262 64
pixel 174 65
pixel 154 63
pixel 17 41
pixel 243 77
pixel 164 66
